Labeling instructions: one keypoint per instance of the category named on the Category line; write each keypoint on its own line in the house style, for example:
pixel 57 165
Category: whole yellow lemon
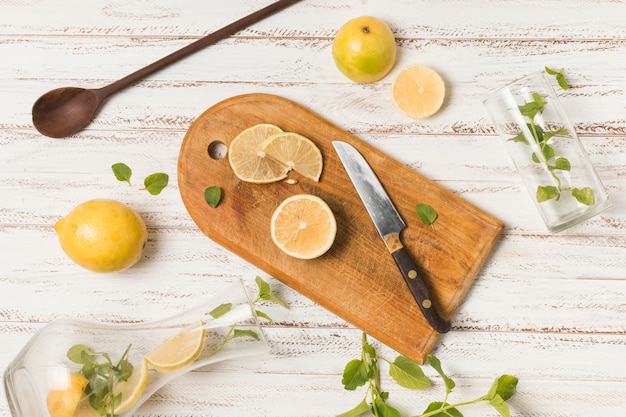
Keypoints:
pixel 103 235
pixel 364 49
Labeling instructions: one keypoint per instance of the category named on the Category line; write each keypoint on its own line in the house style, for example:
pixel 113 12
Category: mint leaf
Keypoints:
pixel 436 364
pixel 213 195
pixel 246 333
pixel 584 196
pixel 355 375
pixel 547 193
pixel 266 294
pixel 426 213
pixel 360 409
pixel 122 172
pixel 408 374
pixel 504 386
pixel 155 183
pixel 446 410
pixel 221 310
pixel 563 164
pixel 560 77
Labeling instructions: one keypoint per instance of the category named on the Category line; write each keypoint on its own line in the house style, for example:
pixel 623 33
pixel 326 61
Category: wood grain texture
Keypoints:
pixel 547 308
pixel 357 279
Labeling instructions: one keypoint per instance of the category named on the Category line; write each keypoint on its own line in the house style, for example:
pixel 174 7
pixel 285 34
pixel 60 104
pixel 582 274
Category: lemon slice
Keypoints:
pixel 303 226
pixel 418 91
pixel 296 152
pixel 248 162
pixel 132 388
pixel 62 402
pixel 180 350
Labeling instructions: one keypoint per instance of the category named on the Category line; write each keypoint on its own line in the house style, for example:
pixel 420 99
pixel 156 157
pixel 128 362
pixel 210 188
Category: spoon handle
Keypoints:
pixel 194 47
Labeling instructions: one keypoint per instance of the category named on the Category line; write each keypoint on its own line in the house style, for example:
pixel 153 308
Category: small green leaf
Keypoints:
pixel 498 403
pixel 265 292
pixel 504 386
pixel 213 195
pixel 426 213
pixel 408 374
pixel 560 132
pixel 560 77
pixel 584 196
pixel 76 353
pixel 436 364
pixel 563 164
pixel 246 333
pixel 262 315
pixel 360 409
pixel 155 183
pixel 220 310
pixel 355 375
pixel 122 172
pixel 547 193
pixel 438 405
pixel 383 409
pixel 519 138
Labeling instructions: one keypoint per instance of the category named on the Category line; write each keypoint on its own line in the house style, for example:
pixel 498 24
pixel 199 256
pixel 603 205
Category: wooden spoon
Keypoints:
pixel 65 111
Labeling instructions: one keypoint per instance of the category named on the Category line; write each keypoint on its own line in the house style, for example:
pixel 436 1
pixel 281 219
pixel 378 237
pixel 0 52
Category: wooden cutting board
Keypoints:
pixel 357 279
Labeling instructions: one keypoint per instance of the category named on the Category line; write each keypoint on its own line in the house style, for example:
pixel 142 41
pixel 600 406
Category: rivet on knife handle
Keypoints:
pixel 415 283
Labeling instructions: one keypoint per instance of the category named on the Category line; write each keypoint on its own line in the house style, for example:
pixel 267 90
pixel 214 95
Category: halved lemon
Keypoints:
pixel 132 388
pixel 296 152
pixel 180 350
pixel 303 226
pixel 248 162
pixel 63 401
pixel 418 91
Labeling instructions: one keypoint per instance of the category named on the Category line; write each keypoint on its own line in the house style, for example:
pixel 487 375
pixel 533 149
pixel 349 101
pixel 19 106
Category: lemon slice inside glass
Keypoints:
pixel 418 91
pixel 303 226
pixel 132 388
pixel 251 164
pixel 296 152
pixel 180 350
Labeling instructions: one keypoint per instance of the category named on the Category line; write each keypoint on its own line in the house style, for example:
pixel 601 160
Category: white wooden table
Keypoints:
pixel 547 308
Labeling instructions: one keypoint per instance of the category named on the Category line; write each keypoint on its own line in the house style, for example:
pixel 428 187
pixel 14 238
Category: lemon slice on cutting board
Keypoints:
pixel 295 152
pixel 248 162
pixel 303 226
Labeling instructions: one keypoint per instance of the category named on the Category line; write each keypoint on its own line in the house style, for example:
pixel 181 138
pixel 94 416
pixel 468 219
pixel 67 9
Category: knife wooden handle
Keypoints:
pixel 416 284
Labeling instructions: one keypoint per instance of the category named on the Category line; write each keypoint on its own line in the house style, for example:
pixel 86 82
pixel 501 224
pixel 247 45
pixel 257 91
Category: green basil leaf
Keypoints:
pixel 563 164
pixel 504 387
pixel 438 405
pixel 122 172
pixel 262 315
pixel 75 353
pixel 213 195
pixel 155 183
pixel 408 374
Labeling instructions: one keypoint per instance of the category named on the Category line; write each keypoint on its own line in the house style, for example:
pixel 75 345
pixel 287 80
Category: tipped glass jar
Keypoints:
pixel 86 369
pixel 546 151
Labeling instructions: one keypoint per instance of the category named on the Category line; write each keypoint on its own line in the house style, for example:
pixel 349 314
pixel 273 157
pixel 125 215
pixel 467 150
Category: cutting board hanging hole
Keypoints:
pixel 217 150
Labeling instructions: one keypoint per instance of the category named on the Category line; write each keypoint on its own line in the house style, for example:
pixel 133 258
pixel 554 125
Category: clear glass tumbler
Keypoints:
pixel 86 369
pixel 546 151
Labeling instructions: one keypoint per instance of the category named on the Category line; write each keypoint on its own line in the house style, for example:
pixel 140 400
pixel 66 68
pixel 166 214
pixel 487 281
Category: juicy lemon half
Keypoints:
pixel 418 91
pixel 63 401
pixel 303 226
pixel 180 350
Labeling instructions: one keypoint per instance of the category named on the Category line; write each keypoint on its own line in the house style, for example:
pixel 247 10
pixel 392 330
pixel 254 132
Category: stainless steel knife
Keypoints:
pixel 389 224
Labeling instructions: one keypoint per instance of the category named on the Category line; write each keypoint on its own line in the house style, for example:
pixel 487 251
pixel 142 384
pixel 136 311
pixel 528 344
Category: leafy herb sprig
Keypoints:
pixel 264 294
pixel 153 183
pixel 103 375
pixel 546 156
pixel 408 374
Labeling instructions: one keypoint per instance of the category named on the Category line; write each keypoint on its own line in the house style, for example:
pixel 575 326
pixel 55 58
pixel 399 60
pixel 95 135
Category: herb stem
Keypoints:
pixel 447 406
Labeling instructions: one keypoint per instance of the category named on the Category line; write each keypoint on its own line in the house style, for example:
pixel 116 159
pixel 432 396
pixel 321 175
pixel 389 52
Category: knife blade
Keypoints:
pixel 389 225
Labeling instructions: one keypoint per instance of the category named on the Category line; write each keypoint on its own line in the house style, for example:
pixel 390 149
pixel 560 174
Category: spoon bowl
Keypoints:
pixel 65 111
